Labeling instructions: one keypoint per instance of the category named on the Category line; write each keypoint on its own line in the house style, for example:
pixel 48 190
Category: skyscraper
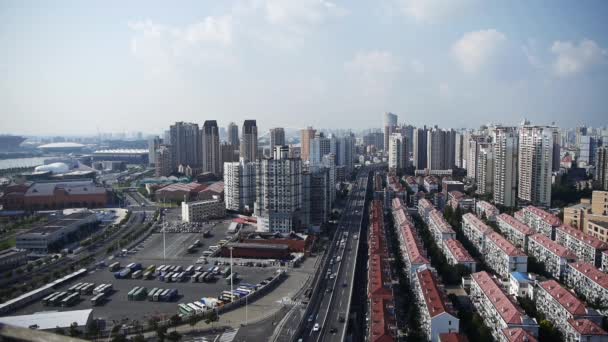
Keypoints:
pixel 440 149
pixel 505 166
pixel 319 146
pixel 344 149
pixel 233 134
pixel 472 153
pixel 397 153
pixel 163 163
pixel 249 141
pixel 485 169
pixel 306 136
pixel 601 167
pixel 458 150
pixel 420 148
pixel 279 192
pixel 210 138
pixel 185 144
pixel 535 164
pixel 153 145
pixel 390 123
pixel 239 185
pixel 277 137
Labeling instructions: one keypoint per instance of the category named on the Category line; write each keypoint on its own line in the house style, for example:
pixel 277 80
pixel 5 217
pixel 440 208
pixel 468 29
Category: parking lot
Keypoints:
pixel 118 307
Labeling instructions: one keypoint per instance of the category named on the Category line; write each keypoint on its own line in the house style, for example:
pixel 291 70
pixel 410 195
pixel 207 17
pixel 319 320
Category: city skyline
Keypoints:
pixel 146 66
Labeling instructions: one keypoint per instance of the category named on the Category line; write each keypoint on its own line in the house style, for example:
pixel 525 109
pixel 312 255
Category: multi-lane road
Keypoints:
pixel 328 318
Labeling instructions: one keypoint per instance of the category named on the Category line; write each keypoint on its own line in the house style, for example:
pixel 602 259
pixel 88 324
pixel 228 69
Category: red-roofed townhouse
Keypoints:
pixel 475 231
pixel 487 209
pixel 440 228
pixel 503 257
pixel 584 330
pixel 518 335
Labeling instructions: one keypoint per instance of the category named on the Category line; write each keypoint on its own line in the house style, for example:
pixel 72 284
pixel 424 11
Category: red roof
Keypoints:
pixel 456 194
pixel 437 217
pixel 425 203
pixel 581 236
pixel 564 297
pixel 380 321
pixel 376 279
pixel 543 215
pixel 412 246
pixel 433 297
pixel 592 273
pixel 458 251
pixel 400 216
pixel 553 246
pixel 586 327
pixel 516 224
pixel 518 335
pixel 452 337
pixel 505 245
pixel 477 223
pixel 397 203
pixel 509 312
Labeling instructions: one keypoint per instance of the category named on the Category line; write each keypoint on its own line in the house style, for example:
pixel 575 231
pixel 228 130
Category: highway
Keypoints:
pixel 331 306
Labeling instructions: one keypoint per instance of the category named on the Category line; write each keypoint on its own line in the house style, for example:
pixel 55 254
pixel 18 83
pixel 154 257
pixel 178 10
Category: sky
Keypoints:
pixel 82 67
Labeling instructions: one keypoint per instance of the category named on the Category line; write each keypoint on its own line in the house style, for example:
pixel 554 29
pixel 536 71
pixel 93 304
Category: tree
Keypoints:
pixel 174 336
pixel 175 319
pixel 138 338
pixel 161 332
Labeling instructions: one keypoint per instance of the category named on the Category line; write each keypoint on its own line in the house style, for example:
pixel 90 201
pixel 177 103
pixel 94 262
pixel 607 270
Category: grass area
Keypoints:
pixel 7 243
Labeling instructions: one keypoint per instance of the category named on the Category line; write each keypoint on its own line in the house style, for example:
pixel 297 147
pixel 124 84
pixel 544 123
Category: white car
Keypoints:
pixel 316 327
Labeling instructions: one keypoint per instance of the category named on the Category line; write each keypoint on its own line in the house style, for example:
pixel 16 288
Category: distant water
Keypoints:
pixel 21 162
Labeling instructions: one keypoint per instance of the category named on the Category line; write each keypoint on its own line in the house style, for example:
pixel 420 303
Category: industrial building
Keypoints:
pixel 12 258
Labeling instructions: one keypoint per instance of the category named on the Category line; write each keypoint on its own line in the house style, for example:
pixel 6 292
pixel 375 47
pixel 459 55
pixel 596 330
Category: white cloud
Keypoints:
pixel 431 10
pixel 374 71
pixel 476 49
pixel 417 66
pixel 572 58
pixel 162 48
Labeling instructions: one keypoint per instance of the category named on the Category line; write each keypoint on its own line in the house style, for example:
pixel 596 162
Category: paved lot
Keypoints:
pixel 118 307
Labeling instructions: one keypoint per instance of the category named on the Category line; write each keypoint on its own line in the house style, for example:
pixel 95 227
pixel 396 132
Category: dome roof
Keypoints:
pixel 55 168
pixel 64 145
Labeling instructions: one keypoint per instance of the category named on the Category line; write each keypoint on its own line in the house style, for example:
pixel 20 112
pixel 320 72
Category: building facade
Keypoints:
pixel 210 147
pixel 535 165
pixel 554 256
pixel 587 248
pixel 588 281
pixel 201 211
pixel 240 185
pixel 249 141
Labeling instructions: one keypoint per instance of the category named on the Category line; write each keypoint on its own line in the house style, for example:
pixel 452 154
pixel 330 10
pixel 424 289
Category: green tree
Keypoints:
pixel 138 338
pixel 161 333
pixel 174 336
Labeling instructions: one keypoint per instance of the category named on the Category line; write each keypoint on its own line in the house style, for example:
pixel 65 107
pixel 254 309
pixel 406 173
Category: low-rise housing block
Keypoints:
pixel 554 256
pixel 586 247
pixel 539 220
pixel 588 281
pixel 514 230
pixel 436 314
pixel 503 257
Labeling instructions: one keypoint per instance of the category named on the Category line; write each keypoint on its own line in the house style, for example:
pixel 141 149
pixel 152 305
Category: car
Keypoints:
pixel 344 284
pixel 333 330
pixel 310 318
pixel 315 327
pixel 341 319
pixel 328 289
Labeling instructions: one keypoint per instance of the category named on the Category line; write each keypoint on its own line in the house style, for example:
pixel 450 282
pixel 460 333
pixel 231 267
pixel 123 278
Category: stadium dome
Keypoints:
pixel 55 168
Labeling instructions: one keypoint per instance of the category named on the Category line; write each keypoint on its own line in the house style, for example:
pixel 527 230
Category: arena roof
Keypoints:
pixel 49 320
pixel 65 145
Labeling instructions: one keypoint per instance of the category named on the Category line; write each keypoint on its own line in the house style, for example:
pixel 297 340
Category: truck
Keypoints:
pixel 122 274
pixel 115 266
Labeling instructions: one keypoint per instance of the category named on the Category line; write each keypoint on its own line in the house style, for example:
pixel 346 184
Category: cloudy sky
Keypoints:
pixel 76 67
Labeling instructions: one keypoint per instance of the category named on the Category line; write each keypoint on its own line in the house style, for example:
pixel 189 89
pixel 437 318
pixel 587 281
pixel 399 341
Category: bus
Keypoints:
pixel 70 299
pixel 185 309
pixel 245 290
pixel 164 295
pixel 132 292
pixel 152 293
pixel 200 305
pixel 226 271
pixel 114 266
pixel 189 270
pixel 214 248
pixel 97 299
pixel 46 299
pixel 87 288
pixel 57 299
pixel 73 287
pixel 136 274
pixel 178 269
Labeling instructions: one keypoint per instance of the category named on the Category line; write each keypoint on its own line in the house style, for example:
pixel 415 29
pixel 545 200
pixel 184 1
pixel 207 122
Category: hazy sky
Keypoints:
pixel 75 67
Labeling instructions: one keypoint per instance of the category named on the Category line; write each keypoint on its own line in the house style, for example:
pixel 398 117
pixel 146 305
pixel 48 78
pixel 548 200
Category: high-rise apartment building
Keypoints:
pixel 472 152
pixel 163 161
pixel 601 167
pixel 535 164
pixel 249 141
pixel 458 150
pixel 233 134
pixel 440 149
pixel 279 192
pixel 420 148
pixel 390 123
pixel 344 150
pixel 277 137
pixel 485 169
pixel 398 156
pixel 185 144
pixel 210 138
pixel 239 185
pixel 306 136
pixel 505 166
pixel 375 139
pixel 228 153
pixel 153 145
pixel 319 146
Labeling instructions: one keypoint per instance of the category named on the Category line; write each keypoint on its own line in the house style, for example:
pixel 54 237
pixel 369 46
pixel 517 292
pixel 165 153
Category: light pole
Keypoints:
pixel 231 273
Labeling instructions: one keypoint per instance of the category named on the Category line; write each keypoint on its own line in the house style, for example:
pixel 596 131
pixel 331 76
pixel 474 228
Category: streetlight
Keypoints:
pixel 231 273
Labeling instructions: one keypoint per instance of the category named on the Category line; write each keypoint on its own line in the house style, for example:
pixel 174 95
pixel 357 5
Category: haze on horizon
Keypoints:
pixel 74 67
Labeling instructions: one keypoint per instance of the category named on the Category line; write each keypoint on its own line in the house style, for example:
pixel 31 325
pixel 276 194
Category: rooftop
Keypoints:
pixel 458 251
pixel 437 218
pixel 592 273
pixel 564 297
pixel 86 187
pixel 553 246
pixel 505 245
pixel 586 327
pixel 188 187
pixel 50 319
pixel 60 223
pixel 122 151
pixel 412 246
pixel 515 224
pixel 433 297
pixel 518 335
pixel 256 246
pixel 62 145
pixel 477 223
pixel 452 337
pixel 543 215
pixel 581 236
pixel 509 312
pixel 425 203
pixel 600 223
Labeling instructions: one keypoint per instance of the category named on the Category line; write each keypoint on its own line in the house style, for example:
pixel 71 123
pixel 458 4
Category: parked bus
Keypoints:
pixel 201 306
pixel 185 309
pixel 226 271
pixel 136 274
pixel 73 287
pixel 178 269
pixel 152 293
pixel 114 266
pixel 189 270
pixel 132 292
pixel 70 299
pixel 47 299
pixel 87 288
pixel 97 299
pixel 214 248
pixel 164 296
pixel 195 308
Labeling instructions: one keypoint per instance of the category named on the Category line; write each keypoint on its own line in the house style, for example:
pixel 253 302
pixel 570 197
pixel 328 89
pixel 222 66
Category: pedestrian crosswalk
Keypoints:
pixel 228 335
